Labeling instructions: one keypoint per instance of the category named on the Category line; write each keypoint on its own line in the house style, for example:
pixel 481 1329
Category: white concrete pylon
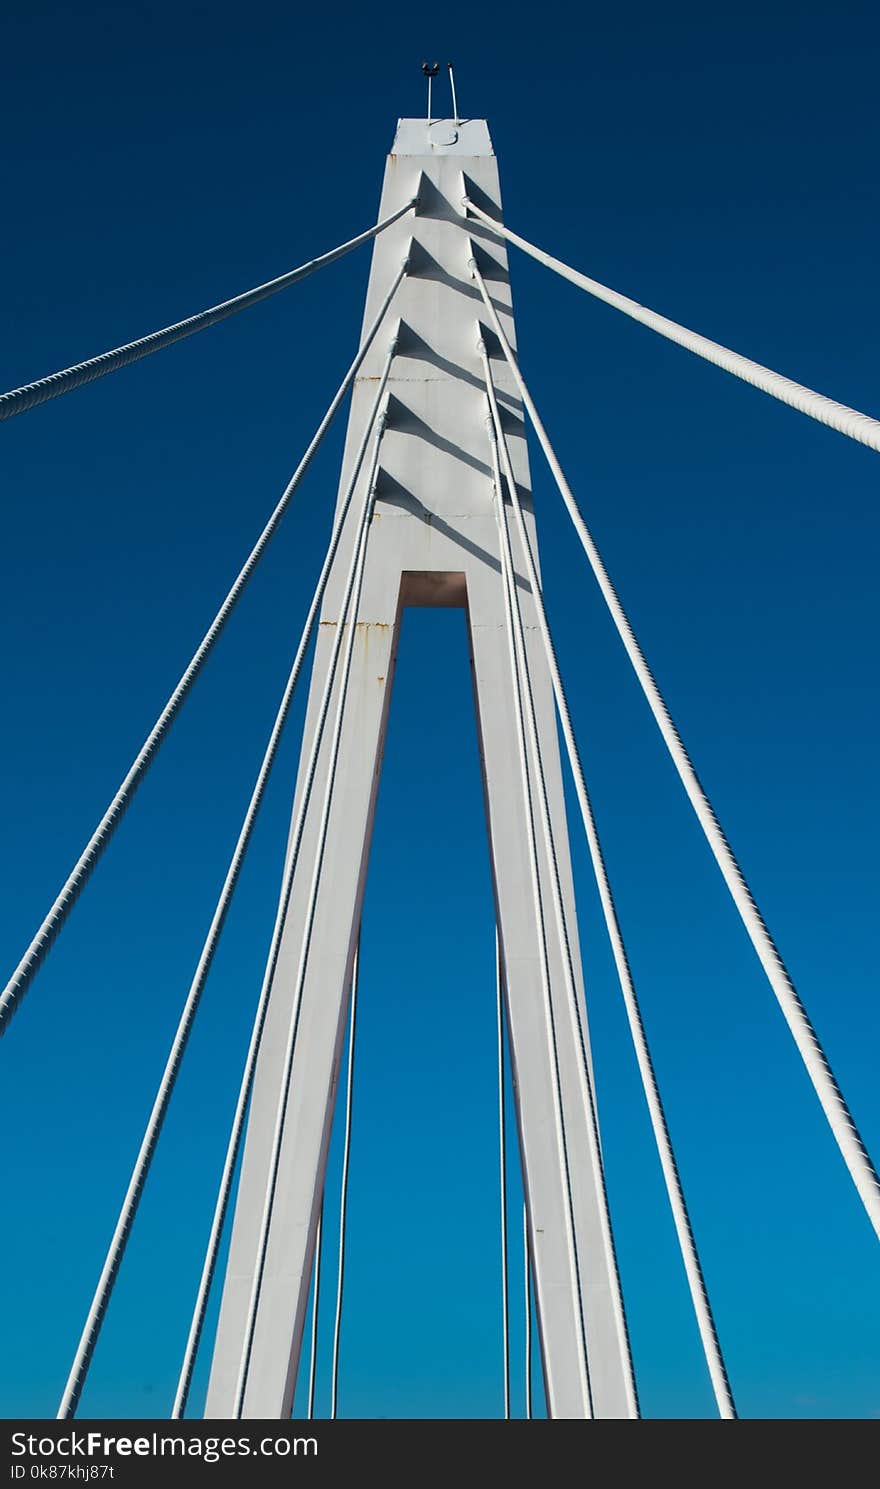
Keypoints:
pixel 433 541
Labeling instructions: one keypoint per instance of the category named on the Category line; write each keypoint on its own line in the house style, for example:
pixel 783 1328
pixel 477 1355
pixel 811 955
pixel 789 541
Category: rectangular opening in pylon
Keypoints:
pixel 433 588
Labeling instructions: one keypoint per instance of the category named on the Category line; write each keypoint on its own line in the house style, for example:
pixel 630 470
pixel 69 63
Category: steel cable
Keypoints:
pixel 79 876
pixel 587 1092
pixel 238 1121
pixel 508 583
pixel 813 1055
pixel 857 426
pixel 116 1251
pixel 19 400
pixel 674 1190
pixel 348 628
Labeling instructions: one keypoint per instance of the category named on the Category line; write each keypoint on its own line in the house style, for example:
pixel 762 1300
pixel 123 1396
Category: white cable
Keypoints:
pixel 33 958
pixel 543 959
pixel 238 1120
pixel 815 1060
pixel 348 625
pixel 686 1241
pixel 18 400
pixel 128 1211
pixel 343 1195
pixel 857 426
pixel 89 1337
pixel 502 1170
pixel 587 1093
pixel 316 1298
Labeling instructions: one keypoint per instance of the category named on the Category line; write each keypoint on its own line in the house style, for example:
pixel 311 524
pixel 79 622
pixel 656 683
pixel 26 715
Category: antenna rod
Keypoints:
pixel 454 99
pixel 430 69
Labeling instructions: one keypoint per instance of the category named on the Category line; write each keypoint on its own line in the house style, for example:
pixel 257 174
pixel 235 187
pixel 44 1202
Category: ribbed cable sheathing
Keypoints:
pixel 113 1260
pixel 838 1115
pixel 128 1212
pixel 347 629
pixel 857 426
pixel 587 1091
pixel 675 1193
pixel 523 752
pixel 238 1121
pixel 89 858
pixel 19 400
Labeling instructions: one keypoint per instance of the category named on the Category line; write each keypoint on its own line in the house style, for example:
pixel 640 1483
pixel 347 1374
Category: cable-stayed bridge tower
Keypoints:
pixel 434 508
pixel 419 460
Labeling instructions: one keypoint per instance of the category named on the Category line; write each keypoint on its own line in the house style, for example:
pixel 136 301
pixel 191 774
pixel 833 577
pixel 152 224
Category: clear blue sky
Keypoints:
pixel 719 163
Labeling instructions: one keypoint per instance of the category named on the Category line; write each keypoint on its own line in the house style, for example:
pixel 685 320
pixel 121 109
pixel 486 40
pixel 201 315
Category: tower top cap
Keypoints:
pixel 442 137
